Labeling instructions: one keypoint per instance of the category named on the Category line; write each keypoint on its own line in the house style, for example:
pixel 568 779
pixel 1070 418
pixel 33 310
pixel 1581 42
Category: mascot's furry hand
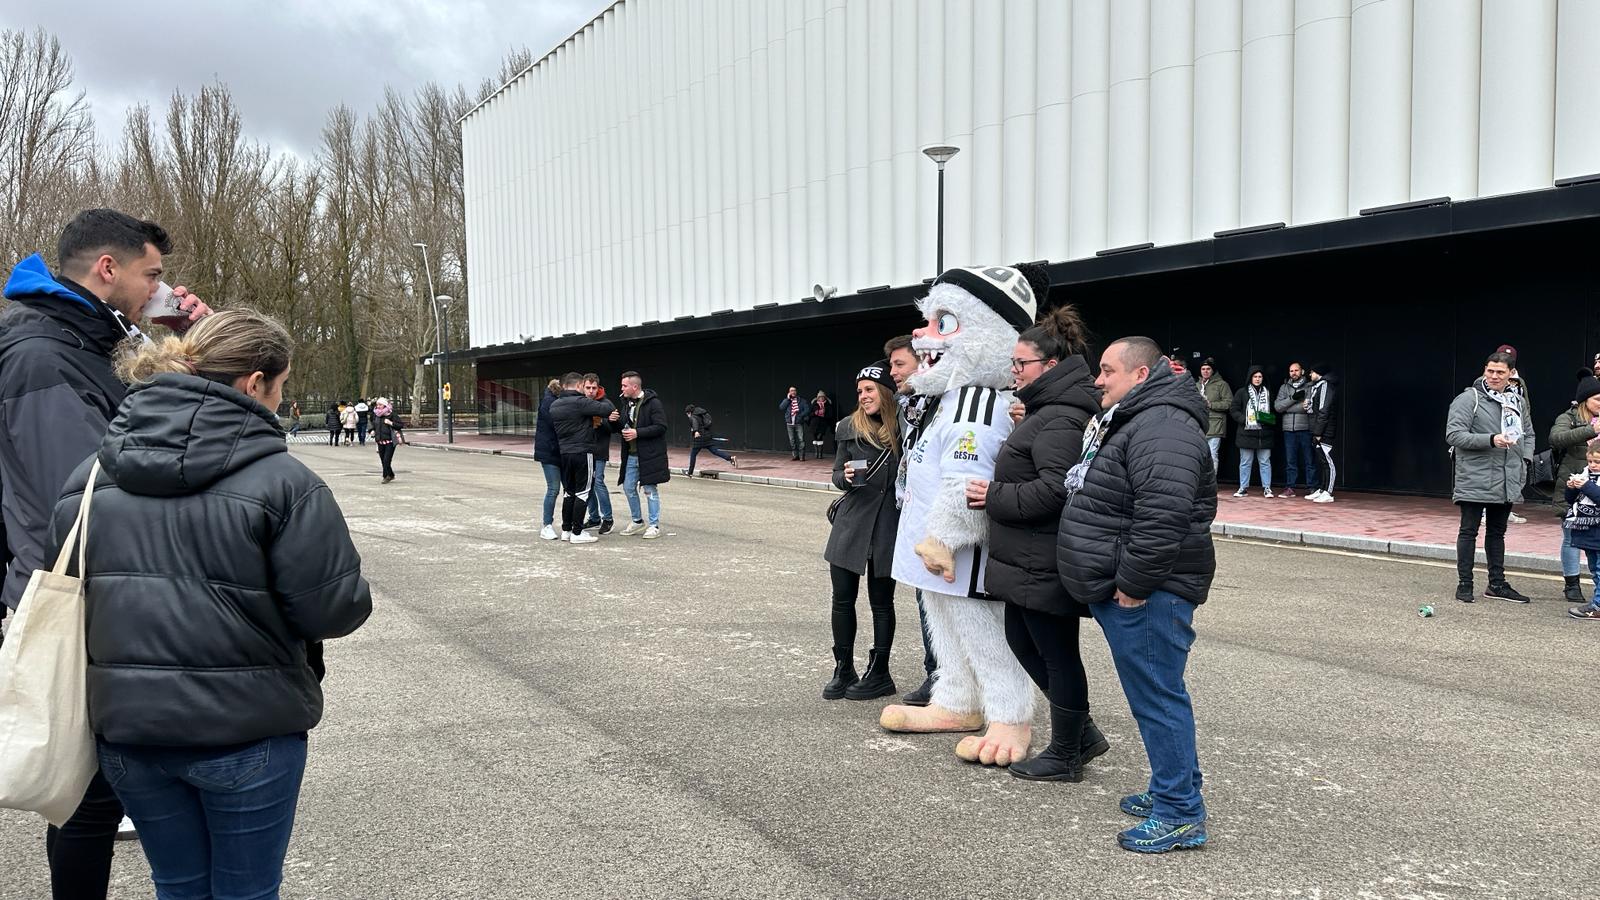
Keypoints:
pixel 937 558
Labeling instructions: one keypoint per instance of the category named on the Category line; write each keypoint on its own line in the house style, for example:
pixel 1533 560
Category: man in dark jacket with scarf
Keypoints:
pixel 642 422
pixel 573 413
pixel 57 395
pixel 1323 409
pixel 1135 544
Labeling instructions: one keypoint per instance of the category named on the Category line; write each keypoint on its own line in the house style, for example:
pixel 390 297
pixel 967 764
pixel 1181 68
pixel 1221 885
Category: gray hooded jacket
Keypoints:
pixel 1485 473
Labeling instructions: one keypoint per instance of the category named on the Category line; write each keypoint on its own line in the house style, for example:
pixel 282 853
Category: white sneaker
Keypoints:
pixel 1516 519
pixel 583 537
pixel 566 535
pixel 549 533
pixel 1324 497
pixel 652 532
pixel 1267 493
pixel 633 529
pixel 1238 494
pixel 126 831
pixel 1314 495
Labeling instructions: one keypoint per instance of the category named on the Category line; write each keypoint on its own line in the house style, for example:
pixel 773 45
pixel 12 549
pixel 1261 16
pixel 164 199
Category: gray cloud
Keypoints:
pixel 287 62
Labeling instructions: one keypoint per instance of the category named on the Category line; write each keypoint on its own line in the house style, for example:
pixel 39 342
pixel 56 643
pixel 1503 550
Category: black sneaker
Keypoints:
pixel 607 526
pixel 1504 591
pixel 1464 592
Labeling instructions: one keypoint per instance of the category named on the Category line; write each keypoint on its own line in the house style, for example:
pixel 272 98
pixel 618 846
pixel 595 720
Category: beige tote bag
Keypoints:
pixel 47 754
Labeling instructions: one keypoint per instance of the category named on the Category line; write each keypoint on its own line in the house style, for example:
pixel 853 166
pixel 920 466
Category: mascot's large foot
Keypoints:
pixel 928 719
pixel 1001 745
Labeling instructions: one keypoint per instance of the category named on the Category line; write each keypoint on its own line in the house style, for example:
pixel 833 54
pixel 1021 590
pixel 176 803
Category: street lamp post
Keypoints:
pixel 940 154
pixel 438 331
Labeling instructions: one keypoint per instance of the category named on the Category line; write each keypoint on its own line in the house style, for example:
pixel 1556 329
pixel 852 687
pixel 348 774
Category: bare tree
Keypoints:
pixel 46 141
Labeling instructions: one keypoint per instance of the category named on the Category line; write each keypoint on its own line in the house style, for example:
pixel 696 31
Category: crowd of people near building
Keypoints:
pixel 1046 480
pixel 572 444
pixel 1304 409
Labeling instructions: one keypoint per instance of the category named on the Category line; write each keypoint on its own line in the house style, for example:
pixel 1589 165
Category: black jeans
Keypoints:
pixel 1047 647
pixel 386 456
pixel 880 596
pixel 333 436
pixel 577 479
pixel 80 851
pixel 1494 543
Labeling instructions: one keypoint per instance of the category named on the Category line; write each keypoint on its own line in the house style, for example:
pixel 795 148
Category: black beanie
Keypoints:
pixel 1587 388
pixel 1321 368
pixel 879 372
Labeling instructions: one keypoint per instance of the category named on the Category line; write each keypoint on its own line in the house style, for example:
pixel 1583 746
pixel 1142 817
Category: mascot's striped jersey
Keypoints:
pixel 959 439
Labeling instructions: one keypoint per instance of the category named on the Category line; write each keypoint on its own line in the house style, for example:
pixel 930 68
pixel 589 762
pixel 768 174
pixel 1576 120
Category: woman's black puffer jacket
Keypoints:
pixel 214 559
pixel 1026 495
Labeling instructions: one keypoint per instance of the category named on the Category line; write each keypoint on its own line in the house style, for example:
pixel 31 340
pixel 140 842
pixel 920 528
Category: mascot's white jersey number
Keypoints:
pixel 960 443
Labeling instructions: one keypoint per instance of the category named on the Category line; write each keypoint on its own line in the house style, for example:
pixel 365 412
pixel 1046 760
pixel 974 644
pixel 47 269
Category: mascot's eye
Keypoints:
pixel 948 323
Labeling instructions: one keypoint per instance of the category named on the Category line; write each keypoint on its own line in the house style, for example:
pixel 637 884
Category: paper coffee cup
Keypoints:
pixel 163 307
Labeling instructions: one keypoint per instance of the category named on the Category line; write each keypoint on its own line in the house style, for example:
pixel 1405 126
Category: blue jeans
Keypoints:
pixel 1569 555
pixel 1594 574
pixel 1150 647
pixel 1302 465
pixel 1263 461
pixel 713 450
pixel 599 496
pixel 1215 443
pixel 215 826
pixel 630 489
pixel 552 491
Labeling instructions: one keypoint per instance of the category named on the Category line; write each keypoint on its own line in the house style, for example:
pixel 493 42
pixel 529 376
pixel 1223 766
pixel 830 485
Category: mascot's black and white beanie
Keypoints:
pixel 1001 288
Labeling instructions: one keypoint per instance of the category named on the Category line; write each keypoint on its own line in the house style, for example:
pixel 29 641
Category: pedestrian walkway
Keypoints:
pixel 1423 527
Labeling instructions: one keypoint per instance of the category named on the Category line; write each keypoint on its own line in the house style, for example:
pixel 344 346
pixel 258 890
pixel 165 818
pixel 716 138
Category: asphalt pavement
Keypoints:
pixel 634 718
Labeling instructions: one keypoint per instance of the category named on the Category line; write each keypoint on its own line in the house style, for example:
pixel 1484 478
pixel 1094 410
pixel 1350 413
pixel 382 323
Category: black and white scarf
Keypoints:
pixel 1093 436
pixel 1256 405
pixel 1510 411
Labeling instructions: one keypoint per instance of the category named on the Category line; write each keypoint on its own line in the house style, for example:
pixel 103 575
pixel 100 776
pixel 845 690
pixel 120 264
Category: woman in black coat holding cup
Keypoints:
pixel 864 520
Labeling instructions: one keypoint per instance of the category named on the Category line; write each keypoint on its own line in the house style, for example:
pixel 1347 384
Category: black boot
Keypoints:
pixel 844 675
pixel 1074 740
pixel 1573 592
pixel 922 696
pixel 876 682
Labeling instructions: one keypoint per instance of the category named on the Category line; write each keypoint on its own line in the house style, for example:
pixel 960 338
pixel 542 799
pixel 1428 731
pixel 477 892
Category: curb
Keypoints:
pixel 449 448
pixel 1527 562
pixel 742 478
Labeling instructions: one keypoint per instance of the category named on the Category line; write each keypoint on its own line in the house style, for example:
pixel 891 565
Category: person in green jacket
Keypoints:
pixel 1219 400
pixel 1571 435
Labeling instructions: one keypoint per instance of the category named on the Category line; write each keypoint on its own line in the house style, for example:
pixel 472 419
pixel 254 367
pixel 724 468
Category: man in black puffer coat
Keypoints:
pixel 572 413
pixel 1135 544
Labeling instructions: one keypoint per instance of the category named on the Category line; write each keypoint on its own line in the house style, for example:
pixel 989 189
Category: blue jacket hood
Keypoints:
pixel 32 277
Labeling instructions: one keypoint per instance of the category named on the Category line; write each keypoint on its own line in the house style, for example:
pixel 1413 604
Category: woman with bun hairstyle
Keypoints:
pixel 865 521
pixel 1055 385
pixel 215 565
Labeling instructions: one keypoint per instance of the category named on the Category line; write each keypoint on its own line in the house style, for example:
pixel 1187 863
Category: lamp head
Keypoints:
pixel 940 153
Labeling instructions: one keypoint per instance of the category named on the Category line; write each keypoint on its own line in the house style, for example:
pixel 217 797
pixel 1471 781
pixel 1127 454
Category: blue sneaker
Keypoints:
pixel 1136 805
pixel 1156 836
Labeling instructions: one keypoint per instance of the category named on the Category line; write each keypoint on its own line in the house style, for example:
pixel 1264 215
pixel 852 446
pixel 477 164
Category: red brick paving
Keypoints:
pixel 1421 519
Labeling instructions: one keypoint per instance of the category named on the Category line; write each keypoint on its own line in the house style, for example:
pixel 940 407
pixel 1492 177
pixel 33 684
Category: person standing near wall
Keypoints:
pixel 1572 434
pixel 1252 412
pixel 1322 407
pixel 1491 445
pixel 1219 399
pixel 795 412
pixel 1296 427
pixel 822 419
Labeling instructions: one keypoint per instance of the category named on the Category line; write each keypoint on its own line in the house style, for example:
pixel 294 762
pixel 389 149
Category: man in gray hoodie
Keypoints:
pixel 1296 427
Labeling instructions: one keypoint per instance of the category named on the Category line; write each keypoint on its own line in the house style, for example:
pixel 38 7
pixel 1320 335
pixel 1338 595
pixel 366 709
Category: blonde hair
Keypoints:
pixel 223 347
pixel 885 432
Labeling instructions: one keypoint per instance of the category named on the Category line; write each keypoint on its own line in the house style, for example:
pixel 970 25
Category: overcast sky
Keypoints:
pixel 287 62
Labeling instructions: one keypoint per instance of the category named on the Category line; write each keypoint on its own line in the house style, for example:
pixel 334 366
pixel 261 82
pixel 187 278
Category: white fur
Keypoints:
pixel 977 669
pixel 950 522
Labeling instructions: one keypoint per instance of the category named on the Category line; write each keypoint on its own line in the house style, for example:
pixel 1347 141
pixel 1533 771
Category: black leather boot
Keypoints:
pixel 1573 592
pixel 922 696
pixel 876 682
pixel 1074 740
pixel 844 675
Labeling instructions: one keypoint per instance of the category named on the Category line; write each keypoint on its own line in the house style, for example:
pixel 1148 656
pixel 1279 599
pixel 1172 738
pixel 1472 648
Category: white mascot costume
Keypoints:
pixel 973 319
